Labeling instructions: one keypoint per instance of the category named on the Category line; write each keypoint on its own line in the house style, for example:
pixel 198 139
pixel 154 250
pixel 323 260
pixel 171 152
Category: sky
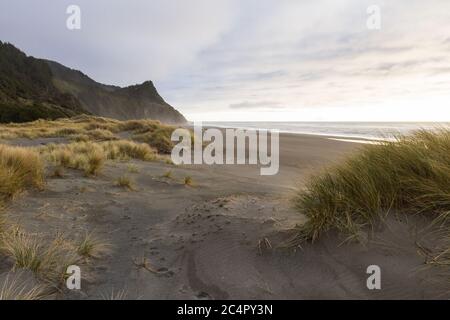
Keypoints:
pixel 255 60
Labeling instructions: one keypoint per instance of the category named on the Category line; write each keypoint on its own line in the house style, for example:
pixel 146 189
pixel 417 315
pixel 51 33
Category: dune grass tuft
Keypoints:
pixel 95 160
pixel 92 247
pixel 410 175
pixel 158 138
pixel 91 156
pixel 115 295
pixel 125 182
pixel 16 288
pixel 86 128
pixel 100 134
pixel 47 261
pixel 86 156
pixel 132 168
pixel 188 181
pixel 20 168
pixel 124 149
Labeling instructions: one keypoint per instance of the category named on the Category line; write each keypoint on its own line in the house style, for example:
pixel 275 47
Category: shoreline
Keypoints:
pixel 343 138
pixel 378 135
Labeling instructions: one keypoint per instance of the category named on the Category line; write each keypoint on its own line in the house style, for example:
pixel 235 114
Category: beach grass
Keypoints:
pixel 48 261
pixel 91 156
pixel 188 181
pixel 83 143
pixel 87 156
pixel 409 175
pixel 132 168
pixel 20 168
pixel 115 295
pixel 16 287
pixel 158 138
pixel 92 247
pixel 124 150
pixel 125 182
pixel 84 128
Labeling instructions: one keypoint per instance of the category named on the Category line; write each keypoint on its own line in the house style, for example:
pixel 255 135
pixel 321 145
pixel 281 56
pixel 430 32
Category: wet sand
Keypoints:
pixel 221 237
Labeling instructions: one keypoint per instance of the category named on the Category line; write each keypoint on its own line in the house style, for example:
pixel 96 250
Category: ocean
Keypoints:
pixel 356 130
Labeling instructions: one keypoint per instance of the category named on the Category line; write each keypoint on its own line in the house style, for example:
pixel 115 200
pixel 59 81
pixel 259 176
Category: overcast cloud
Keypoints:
pixel 254 59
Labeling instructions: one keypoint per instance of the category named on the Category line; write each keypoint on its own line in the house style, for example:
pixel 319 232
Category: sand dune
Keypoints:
pixel 221 237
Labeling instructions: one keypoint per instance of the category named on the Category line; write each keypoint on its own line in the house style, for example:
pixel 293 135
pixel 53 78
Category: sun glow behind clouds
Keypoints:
pixel 318 62
pixel 255 60
pixel 433 109
pixel 397 113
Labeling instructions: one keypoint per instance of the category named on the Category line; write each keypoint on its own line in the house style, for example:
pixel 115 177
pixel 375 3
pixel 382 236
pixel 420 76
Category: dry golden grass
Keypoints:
pixel 132 168
pixel 115 295
pixel 158 138
pixel 91 156
pixel 86 128
pixel 93 141
pixel 410 175
pixel 16 287
pixel 124 149
pixel 20 168
pixel 139 125
pixel 87 156
pixel 125 182
pixel 100 134
pixel 92 247
pixel 80 138
pixel 188 181
pixel 48 262
pixel 94 162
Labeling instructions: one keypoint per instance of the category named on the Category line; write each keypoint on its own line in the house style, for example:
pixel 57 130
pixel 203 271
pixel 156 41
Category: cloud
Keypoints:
pixel 120 42
pixel 256 104
pixel 220 58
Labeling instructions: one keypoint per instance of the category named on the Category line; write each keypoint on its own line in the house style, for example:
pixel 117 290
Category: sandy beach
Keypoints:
pixel 223 237
pixel 215 152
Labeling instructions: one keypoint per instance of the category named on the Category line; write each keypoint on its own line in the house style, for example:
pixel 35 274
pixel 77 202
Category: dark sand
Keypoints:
pixel 202 242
